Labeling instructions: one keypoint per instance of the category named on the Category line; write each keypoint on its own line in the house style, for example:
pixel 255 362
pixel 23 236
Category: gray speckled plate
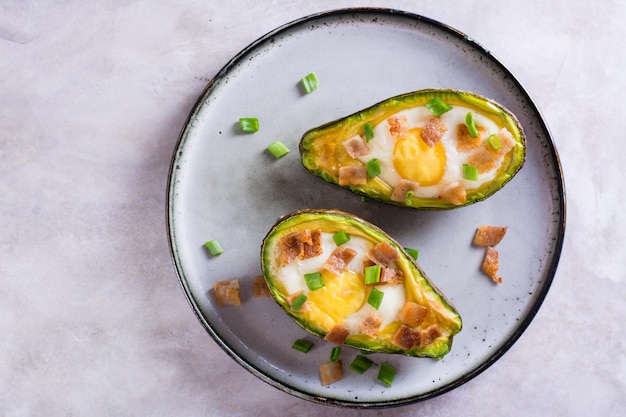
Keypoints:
pixel 225 186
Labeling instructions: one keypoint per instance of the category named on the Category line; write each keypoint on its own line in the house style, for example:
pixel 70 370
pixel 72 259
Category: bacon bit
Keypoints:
pixel 352 175
pixel 484 159
pixel 464 141
pixel 429 334
pixel 412 314
pixel 403 187
pixel 507 141
pixel 491 264
pixel 383 254
pixel 337 335
pixel 302 244
pixel 489 235
pixel 356 146
pixel 433 131
pixel 398 126
pixel 370 325
pixel 338 260
pixel 406 337
pixel 260 288
pixel 314 246
pixel 454 193
pixel 227 292
pixel 391 276
pixel 331 372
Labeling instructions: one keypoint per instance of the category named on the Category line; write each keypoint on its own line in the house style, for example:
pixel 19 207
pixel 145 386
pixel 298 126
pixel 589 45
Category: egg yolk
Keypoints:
pixel 414 160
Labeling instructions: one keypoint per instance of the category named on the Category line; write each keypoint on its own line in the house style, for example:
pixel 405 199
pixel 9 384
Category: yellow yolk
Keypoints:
pixel 414 160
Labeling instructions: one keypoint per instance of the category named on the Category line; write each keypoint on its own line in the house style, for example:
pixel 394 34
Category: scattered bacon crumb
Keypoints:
pixel 260 288
pixel 338 260
pixel 370 325
pixel 383 254
pixel 507 141
pixel 331 372
pixel 398 126
pixel 391 276
pixel 403 187
pixel 491 264
pixel 227 292
pixel 429 334
pixel 356 146
pixel 464 141
pixel 302 244
pixel 313 247
pixel 337 335
pixel 412 314
pixel 454 194
pixel 352 175
pixel 406 337
pixel 489 235
pixel 433 131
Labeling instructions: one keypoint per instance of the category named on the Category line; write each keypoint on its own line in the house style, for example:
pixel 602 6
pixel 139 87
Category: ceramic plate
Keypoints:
pixel 224 185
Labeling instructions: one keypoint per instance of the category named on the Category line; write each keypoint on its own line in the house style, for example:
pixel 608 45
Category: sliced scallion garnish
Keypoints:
pixel 335 353
pixel 302 345
pixel 298 302
pixel 413 252
pixel 249 124
pixel 369 131
pixel 314 280
pixel 214 247
pixel 310 83
pixel 360 364
pixel 438 107
pixel 408 197
pixel 470 172
pixel 278 149
pixel 471 124
pixel 386 373
pixel 494 142
pixel 341 237
pixel 373 167
pixel 372 274
pixel 375 298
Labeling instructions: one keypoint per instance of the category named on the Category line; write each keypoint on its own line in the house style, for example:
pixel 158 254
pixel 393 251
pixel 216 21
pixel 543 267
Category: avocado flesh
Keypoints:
pixel 322 151
pixel 319 319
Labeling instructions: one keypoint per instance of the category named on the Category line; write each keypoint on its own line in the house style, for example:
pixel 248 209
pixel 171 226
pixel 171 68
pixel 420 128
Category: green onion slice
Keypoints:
pixel 408 198
pixel 375 298
pixel 494 142
pixel 373 167
pixel 471 124
pixel 278 149
pixel 335 353
pixel 413 252
pixel 298 302
pixel 214 247
pixel 314 280
pixel 302 345
pixel 360 364
pixel 369 131
pixel 372 274
pixel 341 237
pixel 249 124
pixel 386 374
pixel 438 107
pixel 470 172
pixel 310 83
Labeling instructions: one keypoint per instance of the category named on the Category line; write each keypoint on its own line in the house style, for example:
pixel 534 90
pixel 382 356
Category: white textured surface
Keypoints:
pixel 92 318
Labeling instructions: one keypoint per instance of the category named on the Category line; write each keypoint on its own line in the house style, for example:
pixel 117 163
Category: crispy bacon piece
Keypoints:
pixel 489 235
pixel 370 325
pixel 338 260
pixel 412 314
pixel 302 244
pixel 313 247
pixel 337 335
pixel 464 141
pixel 331 372
pixel 433 131
pixel 356 146
pixel 454 193
pixel 383 254
pixel 391 276
pixel 429 334
pixel 227 292
pixel 352 175
pixel 507 141
pixel 260 288
pixel 486 159
pixel 491 264
pixel 406 337
pixel 403 187
pixel 398 126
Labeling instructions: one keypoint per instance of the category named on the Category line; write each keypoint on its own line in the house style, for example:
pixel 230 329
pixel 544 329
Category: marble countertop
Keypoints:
pixel 92 99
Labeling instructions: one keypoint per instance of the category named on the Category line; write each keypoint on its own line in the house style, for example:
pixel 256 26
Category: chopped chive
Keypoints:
pixel 249 124
pixel 373 167
pixel 360 364
pixel 302 345
pixel 298 302
pixel 408 198
pixel 375 298
pixel 413 252
pixel 310 83
pixel 494 142
pixel 437 106
pixel 471 125
pixel 470 172
pixel 214 247
pixel 372 274
pixel 314 280
pixel 335 353
pixel 341 237
pixel 386 374
pixel 369 131
pixel 278 149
